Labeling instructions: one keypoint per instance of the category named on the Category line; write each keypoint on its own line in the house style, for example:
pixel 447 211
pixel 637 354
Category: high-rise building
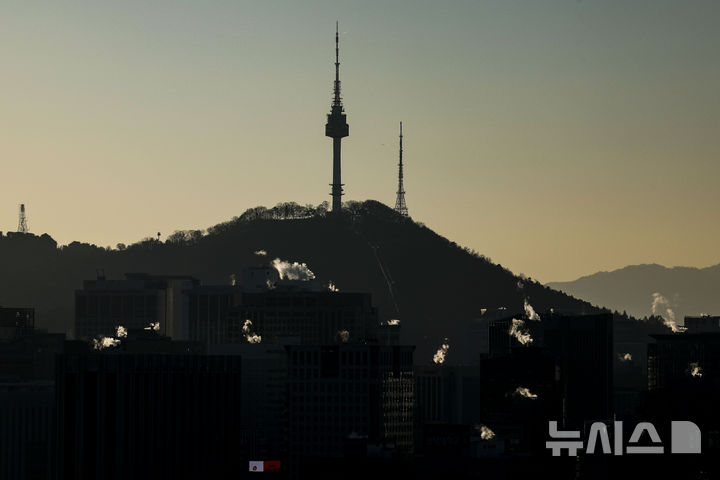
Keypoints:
pixel 337 393
pixel 263 406
pixel 16 322
pixel 317 317
pixel 583 349
pixel 27 417
pixel 680 359
pixel 135 302
pixel 703 323
pixel 126 416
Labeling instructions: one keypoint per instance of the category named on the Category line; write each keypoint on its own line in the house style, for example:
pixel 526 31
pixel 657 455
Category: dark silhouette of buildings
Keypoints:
pixel 16 322
pixel 208 308
pixel 134 303
pixel 336 128
pixel 128 416
pixel 583 348
pixel 703 323
pixel 677 360
pixel 400 205
pixel 338 394
pixel 27 418
pixel 316 317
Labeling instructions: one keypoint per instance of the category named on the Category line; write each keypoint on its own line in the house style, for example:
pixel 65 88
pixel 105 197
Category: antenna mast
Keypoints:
pixel 400 205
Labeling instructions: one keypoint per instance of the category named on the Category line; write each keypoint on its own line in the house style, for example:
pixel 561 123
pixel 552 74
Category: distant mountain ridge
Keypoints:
pixel 688 290
pixel 439 287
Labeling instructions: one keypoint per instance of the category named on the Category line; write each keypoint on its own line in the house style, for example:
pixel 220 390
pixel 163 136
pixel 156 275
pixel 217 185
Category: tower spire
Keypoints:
pixel 400 205
pixel 337 99
pixel 22 220
pixel 336 128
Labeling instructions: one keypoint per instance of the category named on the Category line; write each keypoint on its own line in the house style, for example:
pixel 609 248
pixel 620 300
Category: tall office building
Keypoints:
pixel 315 316
pixel 127 416
pixel 134 302
pixel 583 349
pixel 338 393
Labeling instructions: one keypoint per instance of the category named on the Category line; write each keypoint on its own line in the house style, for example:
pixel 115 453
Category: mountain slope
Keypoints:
pixel 439 287
pixel 688 291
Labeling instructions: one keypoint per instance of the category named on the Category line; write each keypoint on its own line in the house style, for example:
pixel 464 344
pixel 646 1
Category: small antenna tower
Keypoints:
pixel 400 205
pixel 22 220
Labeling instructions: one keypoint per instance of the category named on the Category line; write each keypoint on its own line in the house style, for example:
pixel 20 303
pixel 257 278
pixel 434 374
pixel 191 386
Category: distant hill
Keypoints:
pixel 688 291
pixel 439 287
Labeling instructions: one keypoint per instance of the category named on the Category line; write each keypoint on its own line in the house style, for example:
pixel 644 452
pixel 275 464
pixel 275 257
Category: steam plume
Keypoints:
pixel 260 253
pixel 344 336
pixel 121 332
pixel 293 271
pixel 695 370
pixel 525 393
pixel 394 321
pixel 625 358
pixel 659 304
pixel 520 332
pixel 485 432
pixel 249 335
pixel 439 357
pixel 153 326
pixel 332 287
pixel 105 342
pixel 530 312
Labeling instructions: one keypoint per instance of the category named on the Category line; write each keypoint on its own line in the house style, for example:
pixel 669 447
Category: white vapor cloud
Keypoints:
pixel 520 332
pixel 661 307
pixel 249 335
pixel 105 342
pixel 439 357
pixel 292 271
pixel 485 432
pixel 522 391
pixel 530 312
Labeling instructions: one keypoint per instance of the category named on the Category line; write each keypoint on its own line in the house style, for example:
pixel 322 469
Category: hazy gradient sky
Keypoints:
pixel 556 137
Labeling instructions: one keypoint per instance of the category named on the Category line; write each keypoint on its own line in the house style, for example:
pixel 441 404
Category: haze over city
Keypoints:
pixel 558 138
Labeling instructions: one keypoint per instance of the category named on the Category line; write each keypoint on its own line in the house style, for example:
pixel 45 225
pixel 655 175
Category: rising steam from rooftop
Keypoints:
pixel 661 307
pixel 439 357
pixel 248 333
pixel 519 330
pixel 105 342
pixel 530 312
pixel 524 392
pixel 292 271
pixel 485 432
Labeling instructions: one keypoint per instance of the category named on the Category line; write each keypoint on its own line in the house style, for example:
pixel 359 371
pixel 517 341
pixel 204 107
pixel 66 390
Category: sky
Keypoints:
pixel 556 137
